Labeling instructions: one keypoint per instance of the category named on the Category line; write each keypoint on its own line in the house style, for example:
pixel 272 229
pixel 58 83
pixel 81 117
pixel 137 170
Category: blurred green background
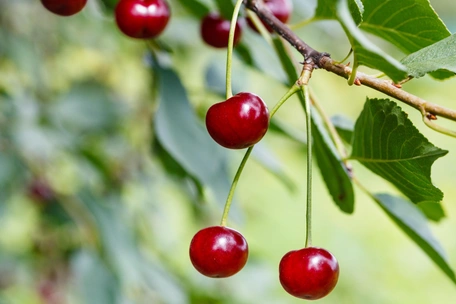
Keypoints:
pixel 94 210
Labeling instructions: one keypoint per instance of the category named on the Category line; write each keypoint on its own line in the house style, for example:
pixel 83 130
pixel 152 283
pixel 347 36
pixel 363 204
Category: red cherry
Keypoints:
pixel 239 122
pixel 218 251
pixel 64 7
pixel 215 31
pixel 142 19
pixel 281 9
pixel 39 190
pixel 310 273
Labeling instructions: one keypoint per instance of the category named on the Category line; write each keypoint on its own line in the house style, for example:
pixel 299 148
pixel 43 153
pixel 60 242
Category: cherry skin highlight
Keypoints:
pixel 281 9
pixel 215 31
pixel 218 251
pixel 142 19
pixel 238 122
pixel 64 7
pixel 310 273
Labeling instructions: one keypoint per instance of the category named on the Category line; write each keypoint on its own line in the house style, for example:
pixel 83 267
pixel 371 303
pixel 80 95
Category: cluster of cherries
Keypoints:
pixel 236 123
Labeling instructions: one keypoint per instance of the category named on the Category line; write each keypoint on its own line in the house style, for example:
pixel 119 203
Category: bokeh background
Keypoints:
pixel 94 210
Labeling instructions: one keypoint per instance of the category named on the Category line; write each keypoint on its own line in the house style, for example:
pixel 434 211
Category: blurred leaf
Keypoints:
pixel 186 140
pixel 109 5
pixel 440 55
pixel 432 210
pixel 364 51
pixel 226 8
pixel 333 170
pixel 121 251
pixel 344 127
pixel 93 280
pixel 442 74
pixel 215 79
pixel 195 7
pixel 270 162
pixel 243 52
pixel 387 143
pixel 11 168
pixel 282 127
pixel 408 24
pixel 410 219
pixel 88 107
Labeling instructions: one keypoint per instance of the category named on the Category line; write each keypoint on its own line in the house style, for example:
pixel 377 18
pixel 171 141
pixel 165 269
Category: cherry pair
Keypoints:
pixel 309 273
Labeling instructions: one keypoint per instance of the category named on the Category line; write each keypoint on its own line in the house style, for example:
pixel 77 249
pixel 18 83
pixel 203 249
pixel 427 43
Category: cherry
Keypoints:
pixel 281 9
pixel 310 273
pixel 215 31
pixel 218 251
pixel 39 190
pixel 64 7
pixel 238 122
pixel 142 19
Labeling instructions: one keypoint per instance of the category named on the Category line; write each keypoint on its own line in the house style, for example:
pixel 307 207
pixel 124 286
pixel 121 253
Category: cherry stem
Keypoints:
pixel 229 52
pixel 229 199
pixel 295 88
pixel 303 81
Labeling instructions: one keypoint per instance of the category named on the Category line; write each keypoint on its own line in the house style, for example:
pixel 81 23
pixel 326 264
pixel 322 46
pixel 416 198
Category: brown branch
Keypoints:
pixel 322 60
pixel 310 55
pixel 389 88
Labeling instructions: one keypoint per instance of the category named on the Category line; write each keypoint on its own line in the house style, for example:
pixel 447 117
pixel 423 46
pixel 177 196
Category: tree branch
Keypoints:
pixel 323 60
pixel 389 88
pixel 310 55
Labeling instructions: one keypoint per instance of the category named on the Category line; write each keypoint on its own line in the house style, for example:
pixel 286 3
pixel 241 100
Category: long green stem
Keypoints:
pixel 229 199
pixel 229 53
pixel 307 110
pixel 295 88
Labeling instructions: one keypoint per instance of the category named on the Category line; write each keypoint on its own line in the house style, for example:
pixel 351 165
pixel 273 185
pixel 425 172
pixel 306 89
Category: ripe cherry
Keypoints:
pixel 281 9
pixel 142 19
pixel 238 122
pixel 310 273
pixel 218 251
pixel 64 7
pixel 215 31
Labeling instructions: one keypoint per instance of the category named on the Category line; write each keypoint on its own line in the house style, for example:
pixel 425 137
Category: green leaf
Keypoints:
pixel 433 211
pixel 195 7
pixel 186 140
pixel 408 24
pixel 387 143
pixel 410 219
pixel 333 170
pixel 364 51
pixel 440 55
